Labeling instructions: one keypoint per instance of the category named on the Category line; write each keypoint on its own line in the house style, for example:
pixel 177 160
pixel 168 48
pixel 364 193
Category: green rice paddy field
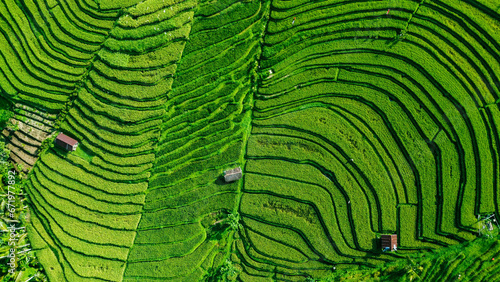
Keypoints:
pixel 349 118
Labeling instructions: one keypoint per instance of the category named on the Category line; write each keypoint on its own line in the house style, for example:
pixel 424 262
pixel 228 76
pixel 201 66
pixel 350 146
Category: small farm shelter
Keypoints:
pixel 233 174
pixel 66 142
pixel 389 242
pixel 490 225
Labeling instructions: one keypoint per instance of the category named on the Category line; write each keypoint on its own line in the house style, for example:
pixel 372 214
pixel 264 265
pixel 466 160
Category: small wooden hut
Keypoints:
pixel 66 142
pixel 233 174
pixel 389 242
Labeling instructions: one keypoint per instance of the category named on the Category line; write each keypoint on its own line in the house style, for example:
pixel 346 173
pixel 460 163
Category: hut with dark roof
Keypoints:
pixel 389 242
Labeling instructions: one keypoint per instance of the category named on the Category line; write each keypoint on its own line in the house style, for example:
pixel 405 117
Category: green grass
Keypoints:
pixel 83 154
pixel 468 261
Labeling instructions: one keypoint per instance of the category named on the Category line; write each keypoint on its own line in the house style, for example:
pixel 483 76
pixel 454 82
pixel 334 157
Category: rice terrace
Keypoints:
pixel 250 140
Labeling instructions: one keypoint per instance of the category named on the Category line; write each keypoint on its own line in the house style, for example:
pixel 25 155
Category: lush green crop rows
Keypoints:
pixel 471 261
pixel 89 202
pixel 202 134
pixel 390 106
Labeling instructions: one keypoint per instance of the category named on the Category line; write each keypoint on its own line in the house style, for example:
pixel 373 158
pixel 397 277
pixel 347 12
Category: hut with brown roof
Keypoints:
pixel 66 142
